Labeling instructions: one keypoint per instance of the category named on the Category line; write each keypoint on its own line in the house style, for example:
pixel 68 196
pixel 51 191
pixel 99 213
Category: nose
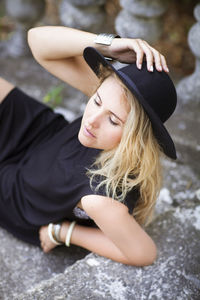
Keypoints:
pixel 94 120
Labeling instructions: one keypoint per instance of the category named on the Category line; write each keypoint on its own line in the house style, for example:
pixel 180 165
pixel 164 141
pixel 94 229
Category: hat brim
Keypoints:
pixel 94 59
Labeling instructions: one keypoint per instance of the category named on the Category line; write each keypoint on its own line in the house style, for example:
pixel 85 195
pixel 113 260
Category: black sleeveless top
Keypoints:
pixel 42 166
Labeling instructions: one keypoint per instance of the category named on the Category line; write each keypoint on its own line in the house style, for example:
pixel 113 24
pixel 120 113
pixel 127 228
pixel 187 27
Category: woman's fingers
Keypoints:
pixel 159 59
pixel 152 56
pixel 156 57
pixel 164 63
pixel 149 54
pixel 139 54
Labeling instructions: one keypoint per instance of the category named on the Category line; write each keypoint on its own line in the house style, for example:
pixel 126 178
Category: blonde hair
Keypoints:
pixel 134 163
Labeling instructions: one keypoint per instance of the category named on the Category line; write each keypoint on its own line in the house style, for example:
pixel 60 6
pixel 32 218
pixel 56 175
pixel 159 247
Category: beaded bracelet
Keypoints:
pixel 69 233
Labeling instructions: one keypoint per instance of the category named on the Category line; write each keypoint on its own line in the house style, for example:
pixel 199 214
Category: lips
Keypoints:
pixel 88 133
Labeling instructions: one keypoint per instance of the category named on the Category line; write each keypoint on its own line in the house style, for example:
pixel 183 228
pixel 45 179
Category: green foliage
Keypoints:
pixel 54 97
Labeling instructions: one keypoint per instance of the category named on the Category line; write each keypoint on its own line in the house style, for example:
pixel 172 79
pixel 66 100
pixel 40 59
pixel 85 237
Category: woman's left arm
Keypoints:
pixel 119 236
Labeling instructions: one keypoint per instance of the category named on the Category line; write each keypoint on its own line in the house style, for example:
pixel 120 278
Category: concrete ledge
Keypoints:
pixel 23 265
pixel 175 275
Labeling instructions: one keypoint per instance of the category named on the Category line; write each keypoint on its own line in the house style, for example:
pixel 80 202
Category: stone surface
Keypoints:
pixel 145 8
pixel 128 25
pixel 23 265
pixel 25 13
pixel 140 19
pixel 179 187
pixel 86 2
pixel 184 127
pixel 194 38
pixel 88 17
pixel 189 88
pixel 185 123
pixel 197 12
pixel 17 45
pixel 175 275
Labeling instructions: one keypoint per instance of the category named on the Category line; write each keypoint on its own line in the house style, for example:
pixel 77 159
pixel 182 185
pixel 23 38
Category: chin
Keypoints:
pixel 81 140
pixel 84 141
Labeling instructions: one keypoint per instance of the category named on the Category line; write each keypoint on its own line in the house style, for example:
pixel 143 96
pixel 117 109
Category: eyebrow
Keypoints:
pixel 110 110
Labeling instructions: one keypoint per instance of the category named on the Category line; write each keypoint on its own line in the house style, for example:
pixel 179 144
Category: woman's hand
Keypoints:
pixel 130 50
pixel 45 242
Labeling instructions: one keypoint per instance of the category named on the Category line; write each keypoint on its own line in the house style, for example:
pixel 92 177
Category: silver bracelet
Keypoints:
pixel 69 233
pixel 50 234
pixel 105 38
pixel 57 228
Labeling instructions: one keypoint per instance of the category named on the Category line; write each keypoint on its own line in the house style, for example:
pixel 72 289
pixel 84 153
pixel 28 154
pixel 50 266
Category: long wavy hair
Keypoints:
pixel 134 163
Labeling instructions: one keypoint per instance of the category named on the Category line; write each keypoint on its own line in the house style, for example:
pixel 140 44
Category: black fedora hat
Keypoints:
pixel 154 90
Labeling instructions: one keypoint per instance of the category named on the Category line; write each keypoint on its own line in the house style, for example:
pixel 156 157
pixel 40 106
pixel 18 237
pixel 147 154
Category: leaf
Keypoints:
pixel 54 96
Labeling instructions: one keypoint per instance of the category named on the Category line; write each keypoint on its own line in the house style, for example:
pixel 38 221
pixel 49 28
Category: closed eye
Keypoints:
pixel 112 122
pixel 97 102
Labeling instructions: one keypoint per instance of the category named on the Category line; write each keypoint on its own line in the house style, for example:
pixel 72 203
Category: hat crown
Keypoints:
pixel 155 87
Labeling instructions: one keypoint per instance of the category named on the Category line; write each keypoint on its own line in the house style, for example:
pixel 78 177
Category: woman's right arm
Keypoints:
pixel 60 50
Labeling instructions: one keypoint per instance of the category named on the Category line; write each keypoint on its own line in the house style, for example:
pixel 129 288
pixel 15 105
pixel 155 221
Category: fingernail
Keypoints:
pixel 139 66
pixel 151 68
pixel 159 68
pixel 167 69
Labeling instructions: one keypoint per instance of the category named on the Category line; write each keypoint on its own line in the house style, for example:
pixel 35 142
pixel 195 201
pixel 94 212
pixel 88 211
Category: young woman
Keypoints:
pixel 94 182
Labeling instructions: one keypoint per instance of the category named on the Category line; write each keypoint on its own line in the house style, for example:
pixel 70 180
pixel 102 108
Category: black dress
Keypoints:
pixel 42 166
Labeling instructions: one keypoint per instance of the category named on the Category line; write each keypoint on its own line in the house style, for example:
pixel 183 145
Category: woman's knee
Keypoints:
pixel 5 88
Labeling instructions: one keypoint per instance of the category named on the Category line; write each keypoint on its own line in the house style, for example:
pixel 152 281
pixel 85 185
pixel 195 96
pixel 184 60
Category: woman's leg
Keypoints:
pixel 5 88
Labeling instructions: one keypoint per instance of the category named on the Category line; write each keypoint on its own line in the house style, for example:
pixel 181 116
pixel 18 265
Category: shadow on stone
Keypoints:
pixel 23 265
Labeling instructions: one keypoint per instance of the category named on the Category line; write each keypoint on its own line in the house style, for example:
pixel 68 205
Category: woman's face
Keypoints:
pixel 104 116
